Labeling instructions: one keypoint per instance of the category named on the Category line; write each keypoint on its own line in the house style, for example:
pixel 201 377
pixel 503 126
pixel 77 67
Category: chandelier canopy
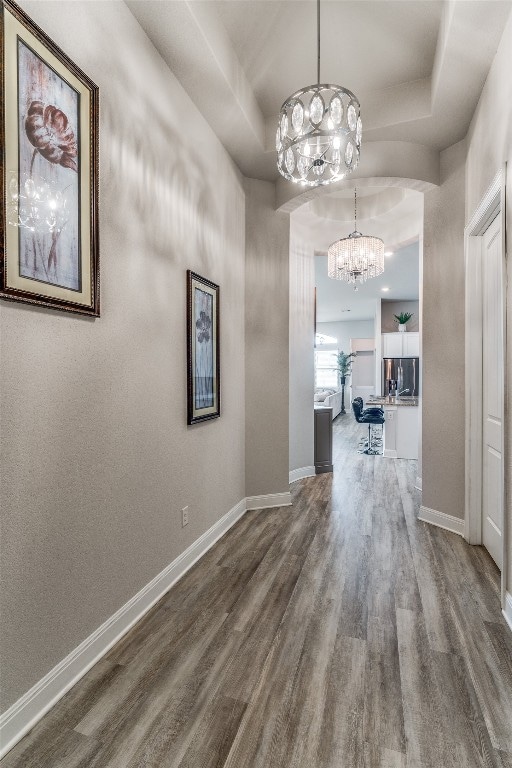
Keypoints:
pixel 319 133
pixel 355 258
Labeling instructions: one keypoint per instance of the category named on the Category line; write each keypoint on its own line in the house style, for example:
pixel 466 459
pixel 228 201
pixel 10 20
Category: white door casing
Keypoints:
pixel 492 391
pixel 491 207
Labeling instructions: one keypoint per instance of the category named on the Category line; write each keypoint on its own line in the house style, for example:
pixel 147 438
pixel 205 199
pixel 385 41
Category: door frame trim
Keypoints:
pixel 491 205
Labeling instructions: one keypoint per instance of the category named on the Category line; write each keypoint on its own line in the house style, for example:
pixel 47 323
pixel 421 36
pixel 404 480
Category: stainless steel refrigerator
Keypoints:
pixel 401 376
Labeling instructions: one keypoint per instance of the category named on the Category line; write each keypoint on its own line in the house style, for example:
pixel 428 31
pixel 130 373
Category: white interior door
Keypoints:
pixel 363 370
pixel 363 375
pixel 492 474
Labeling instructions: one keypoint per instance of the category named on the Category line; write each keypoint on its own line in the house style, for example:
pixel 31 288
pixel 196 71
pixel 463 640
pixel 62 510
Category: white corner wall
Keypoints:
pixel 302 334
pixel 97 459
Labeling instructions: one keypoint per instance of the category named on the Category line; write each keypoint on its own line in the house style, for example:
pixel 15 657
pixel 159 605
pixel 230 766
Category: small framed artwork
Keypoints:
pixel 203 375
pixel 49 120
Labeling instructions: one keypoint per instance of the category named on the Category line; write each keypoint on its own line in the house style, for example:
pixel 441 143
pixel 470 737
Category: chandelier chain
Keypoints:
pixel 318 137
pixel 355 209
pixel 318 41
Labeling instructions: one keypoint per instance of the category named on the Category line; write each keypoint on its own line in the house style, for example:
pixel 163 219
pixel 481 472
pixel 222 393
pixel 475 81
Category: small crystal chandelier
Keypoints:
pixel 319 133
pixel 355 258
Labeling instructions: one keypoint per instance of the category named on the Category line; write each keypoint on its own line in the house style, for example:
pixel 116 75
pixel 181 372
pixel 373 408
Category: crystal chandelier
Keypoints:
pixel 355 258
pixel 319 133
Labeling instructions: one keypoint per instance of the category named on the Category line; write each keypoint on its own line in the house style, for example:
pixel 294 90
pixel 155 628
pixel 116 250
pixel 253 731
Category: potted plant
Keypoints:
pixel 344 362
pixel 402 319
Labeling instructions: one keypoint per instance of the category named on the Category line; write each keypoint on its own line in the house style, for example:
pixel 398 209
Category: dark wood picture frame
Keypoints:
pixel 203 349
pixel 63 272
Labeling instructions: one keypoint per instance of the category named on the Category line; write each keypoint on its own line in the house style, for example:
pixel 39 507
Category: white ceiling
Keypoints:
pixel 417 67
pixel 275 43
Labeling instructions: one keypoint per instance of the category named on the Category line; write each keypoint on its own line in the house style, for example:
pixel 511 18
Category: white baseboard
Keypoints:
pixel 302 472
pixel 418 484
pixel 507 611
pixel 442 520
pixel 269 500
pixel 27 711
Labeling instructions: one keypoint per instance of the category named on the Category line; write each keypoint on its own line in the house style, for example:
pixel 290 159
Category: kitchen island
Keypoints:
pixel 401 428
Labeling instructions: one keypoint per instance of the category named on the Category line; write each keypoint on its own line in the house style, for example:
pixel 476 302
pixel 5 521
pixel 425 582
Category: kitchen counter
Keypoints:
pixel 410 401
pixel 401 426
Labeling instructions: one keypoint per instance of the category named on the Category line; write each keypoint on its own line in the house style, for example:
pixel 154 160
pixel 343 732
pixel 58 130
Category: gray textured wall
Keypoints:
pixel 443 339
pixel 97 459
pixel 266 341
pixel 487 152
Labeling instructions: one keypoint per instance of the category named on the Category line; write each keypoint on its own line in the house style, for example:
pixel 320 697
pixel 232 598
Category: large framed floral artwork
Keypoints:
pixel 203 375
pixel 49 123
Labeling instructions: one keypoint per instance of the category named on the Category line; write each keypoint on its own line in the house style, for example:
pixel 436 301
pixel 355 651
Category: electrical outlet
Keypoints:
pixel 184 517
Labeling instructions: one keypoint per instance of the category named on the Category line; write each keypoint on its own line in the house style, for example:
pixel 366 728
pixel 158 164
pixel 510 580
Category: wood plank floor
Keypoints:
pixel 337 633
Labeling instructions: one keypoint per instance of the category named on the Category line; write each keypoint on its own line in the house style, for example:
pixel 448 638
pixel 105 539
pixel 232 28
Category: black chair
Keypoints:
pixel 367 416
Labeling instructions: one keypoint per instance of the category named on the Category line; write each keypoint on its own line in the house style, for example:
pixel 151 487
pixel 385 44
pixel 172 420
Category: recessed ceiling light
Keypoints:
pixel 384 289
pixel 388 253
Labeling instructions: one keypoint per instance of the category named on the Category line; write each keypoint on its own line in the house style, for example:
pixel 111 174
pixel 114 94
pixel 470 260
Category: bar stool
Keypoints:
pixel 367 416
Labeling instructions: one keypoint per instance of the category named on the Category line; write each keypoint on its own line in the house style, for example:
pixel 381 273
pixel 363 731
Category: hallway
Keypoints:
pixel 336 633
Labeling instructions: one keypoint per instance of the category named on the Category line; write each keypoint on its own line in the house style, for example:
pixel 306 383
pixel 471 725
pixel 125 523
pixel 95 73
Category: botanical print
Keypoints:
pixel 203 363
pixel 49 174
pixel 203 369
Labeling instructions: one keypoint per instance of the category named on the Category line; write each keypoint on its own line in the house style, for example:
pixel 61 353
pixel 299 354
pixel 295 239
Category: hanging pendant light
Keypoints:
pixel 319 133
pixel 355 258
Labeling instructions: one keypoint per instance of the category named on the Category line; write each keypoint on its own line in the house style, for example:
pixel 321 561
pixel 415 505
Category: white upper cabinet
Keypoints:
pixel 392 344
pixel 411 344
pixel 400 344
